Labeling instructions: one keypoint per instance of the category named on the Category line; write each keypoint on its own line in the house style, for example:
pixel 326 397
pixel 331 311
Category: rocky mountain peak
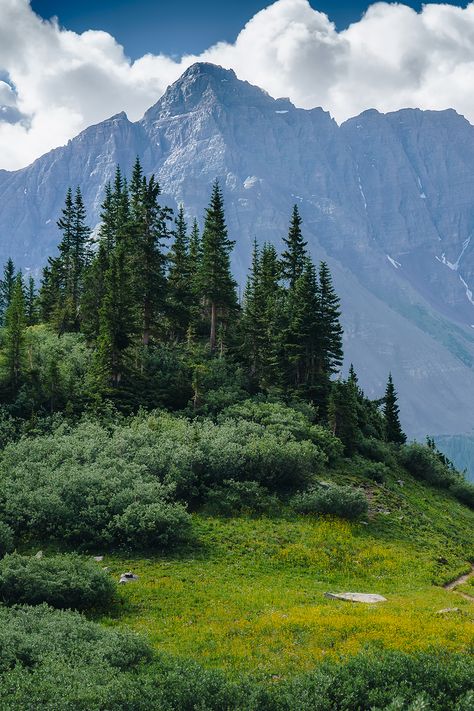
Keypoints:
pixel 204 84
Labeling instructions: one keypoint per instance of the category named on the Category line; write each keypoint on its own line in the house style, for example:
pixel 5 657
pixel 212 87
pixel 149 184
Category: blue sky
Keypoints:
pixel 179 26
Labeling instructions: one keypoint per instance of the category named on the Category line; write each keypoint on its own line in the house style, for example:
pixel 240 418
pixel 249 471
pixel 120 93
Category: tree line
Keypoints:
pixel 148 287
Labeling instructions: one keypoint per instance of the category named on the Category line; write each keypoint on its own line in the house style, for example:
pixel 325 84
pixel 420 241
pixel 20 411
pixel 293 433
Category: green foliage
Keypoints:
pixel 464 492
pixel 237 497
pixel 377 450
pixel 73 487
pixel 423 463
pixel 6 539
pixel 64 581
pixel 393 428
pixel 342 501
pixel 386 681
pixel 287 422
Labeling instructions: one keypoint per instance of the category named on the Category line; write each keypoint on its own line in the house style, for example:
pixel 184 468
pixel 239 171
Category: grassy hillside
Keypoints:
pixel 249 597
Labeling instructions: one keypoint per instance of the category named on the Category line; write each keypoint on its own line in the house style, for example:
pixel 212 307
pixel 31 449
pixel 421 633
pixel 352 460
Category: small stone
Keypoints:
pixel 127 578
pixel 39 555
pixel 400 482
pixel 370 598
pixel 98 558
pixel 442 561
pixel 106 568
pixel 446 610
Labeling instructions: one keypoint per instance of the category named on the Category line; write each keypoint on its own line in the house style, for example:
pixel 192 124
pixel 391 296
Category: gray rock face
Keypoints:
pixel 387 200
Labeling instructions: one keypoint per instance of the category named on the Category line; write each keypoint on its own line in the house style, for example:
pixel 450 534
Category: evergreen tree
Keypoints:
pixel 180 285
pixel 15 324
pixel 303 332
pixel 294 256
pixel 116 324
pixel 393 428
pixel 330 329
pixel 215 283
pixel 31 310
pixel 6 287
pixel 149 227
pixel 63 278
pixel 343 414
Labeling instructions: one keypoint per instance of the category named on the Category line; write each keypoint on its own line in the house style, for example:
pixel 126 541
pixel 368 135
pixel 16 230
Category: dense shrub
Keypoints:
pixel 377 471
pixel 64 581
pixel 159 524
pixel 234 497
pixel 376 450
pixel 286 422
pixel 386 681
pixel 464 492
pixel 6 539
pixel 342 501
pixel 75 488
pixel 423 463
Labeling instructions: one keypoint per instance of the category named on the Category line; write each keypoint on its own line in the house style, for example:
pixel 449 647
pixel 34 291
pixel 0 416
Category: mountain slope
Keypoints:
pixel 386 199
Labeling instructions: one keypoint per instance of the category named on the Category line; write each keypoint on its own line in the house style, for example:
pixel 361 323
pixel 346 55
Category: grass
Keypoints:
pixel 250 596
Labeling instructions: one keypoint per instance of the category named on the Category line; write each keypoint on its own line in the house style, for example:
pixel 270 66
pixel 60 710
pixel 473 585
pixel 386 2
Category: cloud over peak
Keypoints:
pixel 54 82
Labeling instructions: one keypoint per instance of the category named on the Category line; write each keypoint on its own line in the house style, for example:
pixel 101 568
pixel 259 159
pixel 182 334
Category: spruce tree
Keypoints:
pixel 116 324
pixel 148 230
pixel 293 257
pixel 180 287
pixel 330 329
pixel 31 306
pixel 6 287
pixel 215 283
pixel 393 428
pixel 302 335
pixel 15 324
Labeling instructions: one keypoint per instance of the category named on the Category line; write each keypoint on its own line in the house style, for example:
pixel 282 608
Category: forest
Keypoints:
pixel 144 402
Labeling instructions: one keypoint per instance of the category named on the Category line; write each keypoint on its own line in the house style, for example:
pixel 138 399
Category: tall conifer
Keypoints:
pixel 393 428
pixel 294 255
pixel 215 283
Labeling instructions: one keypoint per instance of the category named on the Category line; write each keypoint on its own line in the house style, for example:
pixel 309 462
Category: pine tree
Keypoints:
pixel 31 307
pixel 116 323
pixel 293 257
pixel 215 283
pixel 303 335
pixel 180 286
pixel 343 414
pixel 330 329
pixel 149 229
pixel 393 428
pixel 6 287
pixel 63 278
pixel 15 324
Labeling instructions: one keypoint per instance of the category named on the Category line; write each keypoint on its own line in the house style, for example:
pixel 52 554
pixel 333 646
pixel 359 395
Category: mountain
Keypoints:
pixel 387 200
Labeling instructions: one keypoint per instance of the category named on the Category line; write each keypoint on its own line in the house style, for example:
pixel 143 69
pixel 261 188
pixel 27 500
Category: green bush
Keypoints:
pixel 160 524
pixel 286 422
pixel 464 492
pixel 75 486
pixel 376 450
pixel 234 497
pixel 377 471
pixel 423 464
pixel 64 581
pixel 6 539
pixel 385 681
pixel 342 501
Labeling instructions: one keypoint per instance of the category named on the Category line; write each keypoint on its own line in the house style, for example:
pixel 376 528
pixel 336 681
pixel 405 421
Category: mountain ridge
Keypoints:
pixel 385 200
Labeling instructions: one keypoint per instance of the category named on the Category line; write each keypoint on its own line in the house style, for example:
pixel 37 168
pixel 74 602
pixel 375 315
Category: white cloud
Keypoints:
pixel 393 57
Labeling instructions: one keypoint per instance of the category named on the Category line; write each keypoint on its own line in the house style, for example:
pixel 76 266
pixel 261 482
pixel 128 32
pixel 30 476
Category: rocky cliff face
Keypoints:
pixel 388 200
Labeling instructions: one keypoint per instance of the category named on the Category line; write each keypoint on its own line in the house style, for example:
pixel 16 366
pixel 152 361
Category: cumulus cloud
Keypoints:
pixel 58 82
